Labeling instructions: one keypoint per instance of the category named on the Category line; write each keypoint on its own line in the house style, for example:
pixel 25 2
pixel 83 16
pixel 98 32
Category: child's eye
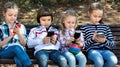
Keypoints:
pixel 43 19
pixel 68 22
pixel 73 22
pixel 49 19
pixel 95 16
pixel 100 16
pixel 9 14
pixel 15 15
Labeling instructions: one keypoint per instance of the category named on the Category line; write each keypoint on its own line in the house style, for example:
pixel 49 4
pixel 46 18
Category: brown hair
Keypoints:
pixel 44 11
pixel 69 12
pixel 10 5
pixel 96 6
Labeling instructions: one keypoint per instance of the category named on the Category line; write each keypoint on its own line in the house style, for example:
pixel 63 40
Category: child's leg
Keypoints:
pixel 110 58
pixel 58 58
pixel 16 51
pixel 18 62
pixel 42 58
pixel 80 57
pixel 70 59
pixel 96 57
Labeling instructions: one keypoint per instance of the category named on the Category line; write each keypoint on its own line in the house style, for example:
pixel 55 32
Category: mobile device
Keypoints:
pixel 50 33
pixel 77 34
pixel 101 35
pixel 18 25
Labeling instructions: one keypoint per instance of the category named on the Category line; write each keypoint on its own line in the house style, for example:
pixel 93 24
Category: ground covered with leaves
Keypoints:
pixel 28 15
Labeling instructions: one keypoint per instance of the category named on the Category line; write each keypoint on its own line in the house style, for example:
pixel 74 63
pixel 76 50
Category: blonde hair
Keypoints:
pixel 96 6
pixel 69 12
pixel 10 5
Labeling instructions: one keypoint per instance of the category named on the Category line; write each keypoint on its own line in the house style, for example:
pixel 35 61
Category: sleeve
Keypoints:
pixel 87 41
pixel 110 40
pixel 1 35
pixel 23 30
pixel 61 40
pixel 82 40
pixel 56 33
pixel 33 40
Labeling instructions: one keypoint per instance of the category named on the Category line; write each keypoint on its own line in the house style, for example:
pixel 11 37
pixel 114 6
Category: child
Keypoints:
pixel 44 40
pixel 66 38
pixel 98 38
pixel 12 40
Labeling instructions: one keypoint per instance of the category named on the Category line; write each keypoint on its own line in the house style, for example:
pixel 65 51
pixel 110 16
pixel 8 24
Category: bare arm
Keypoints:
pixel 5 41
pixel 20 35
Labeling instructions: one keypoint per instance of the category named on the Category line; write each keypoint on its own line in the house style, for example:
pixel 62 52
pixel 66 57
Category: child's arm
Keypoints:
pixel 33 40
pixel 20 32
pixel 80 40
pixel 46 40
pixel 109 38
pixel 67 43
pixel 6 40
pixel 54 39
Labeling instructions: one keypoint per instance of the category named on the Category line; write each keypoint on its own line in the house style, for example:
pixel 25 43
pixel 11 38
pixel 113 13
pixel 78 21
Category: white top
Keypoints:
pixel 35 39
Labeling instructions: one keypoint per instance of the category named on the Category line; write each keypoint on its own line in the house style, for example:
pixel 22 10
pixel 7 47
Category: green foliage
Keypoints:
pixel 34 22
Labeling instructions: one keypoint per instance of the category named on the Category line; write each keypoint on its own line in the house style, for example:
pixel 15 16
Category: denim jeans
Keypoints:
pixel 18 54
pixel 42 57
pixel 102 58
pixel 80 57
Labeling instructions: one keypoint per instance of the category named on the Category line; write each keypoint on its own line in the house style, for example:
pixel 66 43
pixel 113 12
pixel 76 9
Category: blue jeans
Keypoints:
pixel 102 58
pixel 80 57
pixel 18 54
pixel 42 57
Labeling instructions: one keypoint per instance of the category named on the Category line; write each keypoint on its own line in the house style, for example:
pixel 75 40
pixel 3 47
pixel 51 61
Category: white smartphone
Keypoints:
pixel 100 35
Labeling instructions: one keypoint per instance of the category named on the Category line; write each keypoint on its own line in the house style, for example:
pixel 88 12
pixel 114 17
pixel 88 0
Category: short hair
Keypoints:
pixel 44 11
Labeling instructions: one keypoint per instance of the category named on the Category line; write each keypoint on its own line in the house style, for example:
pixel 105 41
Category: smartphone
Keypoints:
pixel 77 34
pixel 50 33
pixel 18 25
pixel 101 35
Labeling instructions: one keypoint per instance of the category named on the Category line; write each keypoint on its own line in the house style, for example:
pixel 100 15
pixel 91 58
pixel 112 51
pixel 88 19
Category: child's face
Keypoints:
pixel 69 22
pixel 45 21
pixel 96 16
pixel 11 15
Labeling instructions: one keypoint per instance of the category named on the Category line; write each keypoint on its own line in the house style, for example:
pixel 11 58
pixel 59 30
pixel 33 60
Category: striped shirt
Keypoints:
pixel 88 31
pixel 5 34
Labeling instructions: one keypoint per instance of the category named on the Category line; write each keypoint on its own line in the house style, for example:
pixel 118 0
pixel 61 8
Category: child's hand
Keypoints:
pixel 11 32
pixel 70 41
pixel 53 39
pixel 79 42
pixel 94 36
pixel 46 40
pixel 17 30
pixel 98 39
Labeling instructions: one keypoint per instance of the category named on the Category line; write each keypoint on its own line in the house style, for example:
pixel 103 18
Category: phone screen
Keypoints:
pixel 101 35
pixel 77 35
pixel 50 33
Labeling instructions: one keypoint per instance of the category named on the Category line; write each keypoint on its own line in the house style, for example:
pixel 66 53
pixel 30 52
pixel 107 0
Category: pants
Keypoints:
pixel 102 58
pixel 18 54
pixel 43 55
pixel 80 57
